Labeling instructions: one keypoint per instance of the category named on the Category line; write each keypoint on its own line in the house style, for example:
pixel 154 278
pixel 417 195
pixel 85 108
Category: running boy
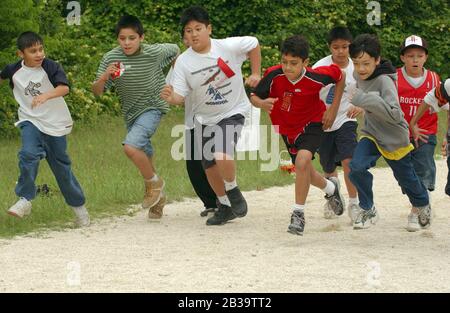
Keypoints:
pixel 290 94
pixel 209 73
pixel 340 141
pixel 136 70
pixel 39 85
pixel 384 133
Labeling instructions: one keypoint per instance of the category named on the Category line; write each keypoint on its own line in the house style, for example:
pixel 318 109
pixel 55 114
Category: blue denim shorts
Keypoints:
pixel 141 131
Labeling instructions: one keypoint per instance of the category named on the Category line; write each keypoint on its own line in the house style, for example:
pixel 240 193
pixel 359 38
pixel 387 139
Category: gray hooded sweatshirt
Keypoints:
pixel 383 120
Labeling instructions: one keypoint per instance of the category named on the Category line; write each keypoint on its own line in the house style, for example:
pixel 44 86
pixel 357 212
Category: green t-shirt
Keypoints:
pixel 140 85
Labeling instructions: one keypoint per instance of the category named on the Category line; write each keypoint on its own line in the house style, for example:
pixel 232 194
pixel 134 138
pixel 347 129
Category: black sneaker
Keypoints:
pixel 221 216
pixel 238 203
pixel 207 210
pixel 297 223
pixel 336 201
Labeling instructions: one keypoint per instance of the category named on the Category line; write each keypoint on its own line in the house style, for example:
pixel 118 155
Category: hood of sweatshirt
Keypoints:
pixel 385 67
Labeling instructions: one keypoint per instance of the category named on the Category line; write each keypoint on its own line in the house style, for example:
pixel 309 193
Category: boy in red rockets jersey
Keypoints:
pixel 414 82
pixel 290 94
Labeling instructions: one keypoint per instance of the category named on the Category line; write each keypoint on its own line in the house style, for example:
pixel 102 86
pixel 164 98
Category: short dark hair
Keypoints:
pixel 28 39
pixel 365 43
pixel 339 32
pixel 129 21
pixel 194 13
pixel 296 46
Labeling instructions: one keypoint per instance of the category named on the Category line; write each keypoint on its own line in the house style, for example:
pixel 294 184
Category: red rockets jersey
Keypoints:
pixel 410 98
pixel 298 103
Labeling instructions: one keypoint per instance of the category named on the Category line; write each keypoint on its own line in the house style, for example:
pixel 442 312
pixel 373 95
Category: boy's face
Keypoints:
pixel 129 40
pixel 197 35
pixel 414 59
pixel 339 50
pixel 365 65
pixel 292 66
pixel 33 56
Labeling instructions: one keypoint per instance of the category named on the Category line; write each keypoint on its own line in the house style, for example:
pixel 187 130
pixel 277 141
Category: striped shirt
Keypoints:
pixel 140 85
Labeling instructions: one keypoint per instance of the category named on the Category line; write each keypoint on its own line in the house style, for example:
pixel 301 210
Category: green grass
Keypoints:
pixel 110 181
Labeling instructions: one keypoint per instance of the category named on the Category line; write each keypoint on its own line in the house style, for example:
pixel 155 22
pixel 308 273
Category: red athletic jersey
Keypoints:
pixel 410 98
pixel 298 104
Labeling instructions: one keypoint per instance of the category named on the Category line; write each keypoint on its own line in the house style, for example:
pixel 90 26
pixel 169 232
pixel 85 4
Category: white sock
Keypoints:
pixel 353 200
pixel 329 188
pixel 230 185
pixel 298 207
pixel 80 209
pixel 153 179
pixel 224 200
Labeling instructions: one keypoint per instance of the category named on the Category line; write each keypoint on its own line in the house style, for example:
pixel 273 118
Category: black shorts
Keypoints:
pixel 221 137
pixel 310 140
pixel 338 145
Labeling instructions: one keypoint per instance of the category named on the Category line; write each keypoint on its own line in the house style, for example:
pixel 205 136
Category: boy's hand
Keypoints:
pixel 111 69
pixel 253 80
pixel 328 118
pixel 167 93
pixel 444 148
pixel 354 111
pixel 267 104
pixel 418 134
pixel 38 100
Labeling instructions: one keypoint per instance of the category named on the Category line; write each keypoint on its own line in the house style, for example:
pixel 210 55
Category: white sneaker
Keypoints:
pixel 328 213
pixel 413 222
pixel 82 215
pixel 21 208
pixel 366 218
pixel 353 211
pixel 425 216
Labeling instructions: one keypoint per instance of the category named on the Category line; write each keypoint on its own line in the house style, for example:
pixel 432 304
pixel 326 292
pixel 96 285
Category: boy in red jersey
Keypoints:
pixel 290 94
pixel 414 82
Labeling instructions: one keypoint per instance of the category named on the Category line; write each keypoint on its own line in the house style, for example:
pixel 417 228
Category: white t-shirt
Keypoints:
pixel 327 93
pixel 213 95
pixel 53 116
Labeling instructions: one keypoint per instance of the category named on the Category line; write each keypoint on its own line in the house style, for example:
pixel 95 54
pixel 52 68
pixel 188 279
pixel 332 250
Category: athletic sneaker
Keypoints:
pixel 336 201
pixel 366 218
pixel 353 211
pixel 221 216
pixel 156 211
pixel 207 210
pixel 153 191
pixel 21 208
pixel 297 225
pixel 425 216
pixel 82 216
pixel 238 203
pixel 413 222
pixel 328 213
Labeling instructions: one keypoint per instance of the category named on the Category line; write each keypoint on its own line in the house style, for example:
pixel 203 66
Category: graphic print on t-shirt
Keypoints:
pixel 31 89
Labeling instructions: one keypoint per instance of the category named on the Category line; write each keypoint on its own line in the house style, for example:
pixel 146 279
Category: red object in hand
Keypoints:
pixel 119 71
pixel 225 68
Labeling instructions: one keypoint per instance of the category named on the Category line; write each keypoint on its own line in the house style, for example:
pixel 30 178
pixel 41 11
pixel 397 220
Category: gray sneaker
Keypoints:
pixel 297 225
pixel 425 216
pixel 366 218
pixel 336 201
pixel 82 216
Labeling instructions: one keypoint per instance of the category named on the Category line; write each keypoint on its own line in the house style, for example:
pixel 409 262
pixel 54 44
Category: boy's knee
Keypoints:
pixel 129 150
pixel 302 163
pixel 30 156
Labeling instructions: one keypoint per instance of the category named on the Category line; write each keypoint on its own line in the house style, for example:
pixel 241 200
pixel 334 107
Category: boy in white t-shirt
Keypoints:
pixel 209 73
pixel 340 140
pixel 39 85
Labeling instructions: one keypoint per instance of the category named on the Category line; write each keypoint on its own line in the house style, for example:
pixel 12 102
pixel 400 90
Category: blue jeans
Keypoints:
pixel 447 187
pixel 142 130
pixel 36 146
pixel 422 158
pixel 365 156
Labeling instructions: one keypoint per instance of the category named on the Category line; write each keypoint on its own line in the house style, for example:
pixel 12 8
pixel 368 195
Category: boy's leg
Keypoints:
pixel 447 186
pixel 197 175
pixel 138 148
pixel 365 156
pixel 422 158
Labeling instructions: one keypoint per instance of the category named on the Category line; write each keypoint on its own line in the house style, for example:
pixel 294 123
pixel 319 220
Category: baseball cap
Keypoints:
pixel 414 41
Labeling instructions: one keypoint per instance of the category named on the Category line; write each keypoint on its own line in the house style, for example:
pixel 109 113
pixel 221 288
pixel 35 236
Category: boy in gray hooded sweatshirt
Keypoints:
pixel 384 133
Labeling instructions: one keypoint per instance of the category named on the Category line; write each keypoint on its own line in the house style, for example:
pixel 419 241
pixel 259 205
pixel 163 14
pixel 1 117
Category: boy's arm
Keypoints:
pixel 59 91
pixel 169 95
pixel 330 114
pixel 98 87
pixel 384 106
pixel 254 56
pixel 416 132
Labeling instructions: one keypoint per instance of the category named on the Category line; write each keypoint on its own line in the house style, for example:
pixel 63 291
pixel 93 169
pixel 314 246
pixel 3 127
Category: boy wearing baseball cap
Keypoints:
pixel 414 82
